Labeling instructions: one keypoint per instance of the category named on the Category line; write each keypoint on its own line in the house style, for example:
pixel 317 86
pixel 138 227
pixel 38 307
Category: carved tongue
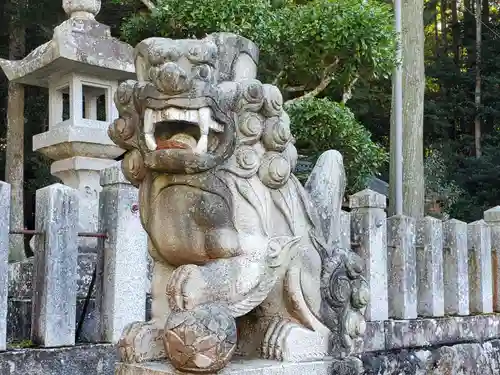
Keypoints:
pixel 181 140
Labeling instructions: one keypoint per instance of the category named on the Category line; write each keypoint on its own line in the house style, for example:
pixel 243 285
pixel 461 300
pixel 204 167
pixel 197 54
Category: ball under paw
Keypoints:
pixel 200 340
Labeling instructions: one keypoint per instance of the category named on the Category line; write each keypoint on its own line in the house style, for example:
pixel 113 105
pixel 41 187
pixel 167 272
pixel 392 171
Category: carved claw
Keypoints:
pixel 274 342
pixel 186 288
pixel 141 342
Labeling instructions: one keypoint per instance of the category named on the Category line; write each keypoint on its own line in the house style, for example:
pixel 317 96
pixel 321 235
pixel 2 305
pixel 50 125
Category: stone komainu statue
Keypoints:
pixel 243 262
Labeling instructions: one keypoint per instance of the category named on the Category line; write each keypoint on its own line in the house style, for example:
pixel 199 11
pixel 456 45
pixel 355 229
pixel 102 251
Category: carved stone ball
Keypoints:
pixel 201 340
pixel 90 7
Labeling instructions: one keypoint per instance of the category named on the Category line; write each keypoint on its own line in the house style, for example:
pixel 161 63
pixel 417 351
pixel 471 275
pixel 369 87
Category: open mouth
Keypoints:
pixel 175 128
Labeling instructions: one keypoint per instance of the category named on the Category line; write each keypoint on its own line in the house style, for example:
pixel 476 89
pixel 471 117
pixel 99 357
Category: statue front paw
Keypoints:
pixel 186 288
pixel 275 338
pixel 288 341
pixel 141 342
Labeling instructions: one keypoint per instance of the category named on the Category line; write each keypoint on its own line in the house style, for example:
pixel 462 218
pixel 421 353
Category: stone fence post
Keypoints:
pixel 55 267
pixel 402 263
pixel 4 259
pixel 456 281
pixel 430 267
pixel 369 238
pixel 480 275
pixel 492 218
pixel 345 229
pixel 122 284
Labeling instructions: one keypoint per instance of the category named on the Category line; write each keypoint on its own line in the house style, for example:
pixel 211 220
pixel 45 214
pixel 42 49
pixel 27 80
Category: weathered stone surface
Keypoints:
pixel 424 332
pixel 215 330
pixel 369 241
pixel 480 269
pixel 54 277
pixel 369 199
pixel 124 257
pixel 19 321
pixel 21 275
pixel 345 229
pixel 429 243
pixel 77 40
pixel 228 222
pixel 82 174
pixel 460 359
pixel 374 338
pixel 456 268
pixel 326 185
pixel 237 367
pixel 4 259
pixel 96 359
pixel 492 218
pixel 82 8
pixel 433 332
pixel 396 363
pixel 402 260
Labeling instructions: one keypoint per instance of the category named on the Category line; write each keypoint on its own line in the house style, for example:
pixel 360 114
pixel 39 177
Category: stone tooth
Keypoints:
pixel 192 116
pixel 150 141
pixel 149 120
pixel 173 114
pixel 202 145
pixel 216 126
pixel 205 115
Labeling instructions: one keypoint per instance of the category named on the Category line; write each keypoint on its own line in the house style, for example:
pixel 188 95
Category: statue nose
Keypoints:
pixel 172 79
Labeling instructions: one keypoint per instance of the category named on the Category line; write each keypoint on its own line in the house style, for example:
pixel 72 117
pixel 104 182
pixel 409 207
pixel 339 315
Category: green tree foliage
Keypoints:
pixel 310 49
pixel 321 124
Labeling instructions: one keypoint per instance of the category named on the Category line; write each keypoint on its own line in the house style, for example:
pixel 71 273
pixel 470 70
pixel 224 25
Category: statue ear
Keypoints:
pixel 141 68
pixel 244 68
pixel 238 56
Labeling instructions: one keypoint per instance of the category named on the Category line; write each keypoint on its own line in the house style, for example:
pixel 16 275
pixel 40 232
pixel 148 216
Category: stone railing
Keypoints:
pixel 52 280
pixel 431 282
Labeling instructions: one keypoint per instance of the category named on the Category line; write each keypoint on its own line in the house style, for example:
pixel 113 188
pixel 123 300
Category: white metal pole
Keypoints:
pixel 398 112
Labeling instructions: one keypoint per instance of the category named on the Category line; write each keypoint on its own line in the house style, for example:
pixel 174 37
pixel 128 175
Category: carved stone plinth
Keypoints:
pixel 247 367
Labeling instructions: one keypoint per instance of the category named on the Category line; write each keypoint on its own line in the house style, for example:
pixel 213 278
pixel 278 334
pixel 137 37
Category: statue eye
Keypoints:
pixel 204 71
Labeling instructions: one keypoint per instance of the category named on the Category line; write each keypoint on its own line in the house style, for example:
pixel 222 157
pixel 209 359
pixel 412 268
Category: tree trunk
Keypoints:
pixel 14 161
pixel 413 112
pixel 444 26
pixel 477 93
pixel 434 11
pixel 486 12
pixel 455 31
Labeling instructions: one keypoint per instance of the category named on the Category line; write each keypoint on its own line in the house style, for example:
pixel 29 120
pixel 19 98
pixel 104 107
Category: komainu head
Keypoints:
pixel 196 105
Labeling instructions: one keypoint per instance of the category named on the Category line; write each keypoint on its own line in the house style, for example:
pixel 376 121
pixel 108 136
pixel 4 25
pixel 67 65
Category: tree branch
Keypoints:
pixel 295 88
pixel 278 77
pixel 348 92
pixel 149 4
pixel 325 81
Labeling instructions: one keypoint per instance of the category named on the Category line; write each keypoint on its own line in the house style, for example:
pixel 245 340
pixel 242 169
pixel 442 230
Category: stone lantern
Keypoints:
pixel 81 66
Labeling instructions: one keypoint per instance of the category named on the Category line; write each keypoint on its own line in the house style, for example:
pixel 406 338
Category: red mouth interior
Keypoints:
pixel 166 129
pixel 165 144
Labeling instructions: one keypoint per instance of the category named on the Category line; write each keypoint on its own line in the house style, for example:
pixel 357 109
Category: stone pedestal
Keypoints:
pixel 241 367
pixel 83 174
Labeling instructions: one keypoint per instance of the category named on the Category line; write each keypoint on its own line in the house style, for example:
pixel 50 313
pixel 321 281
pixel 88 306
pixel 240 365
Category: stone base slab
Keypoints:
pixel 425 332
pixel 95 359
pixel 236 367
pixel 460 359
